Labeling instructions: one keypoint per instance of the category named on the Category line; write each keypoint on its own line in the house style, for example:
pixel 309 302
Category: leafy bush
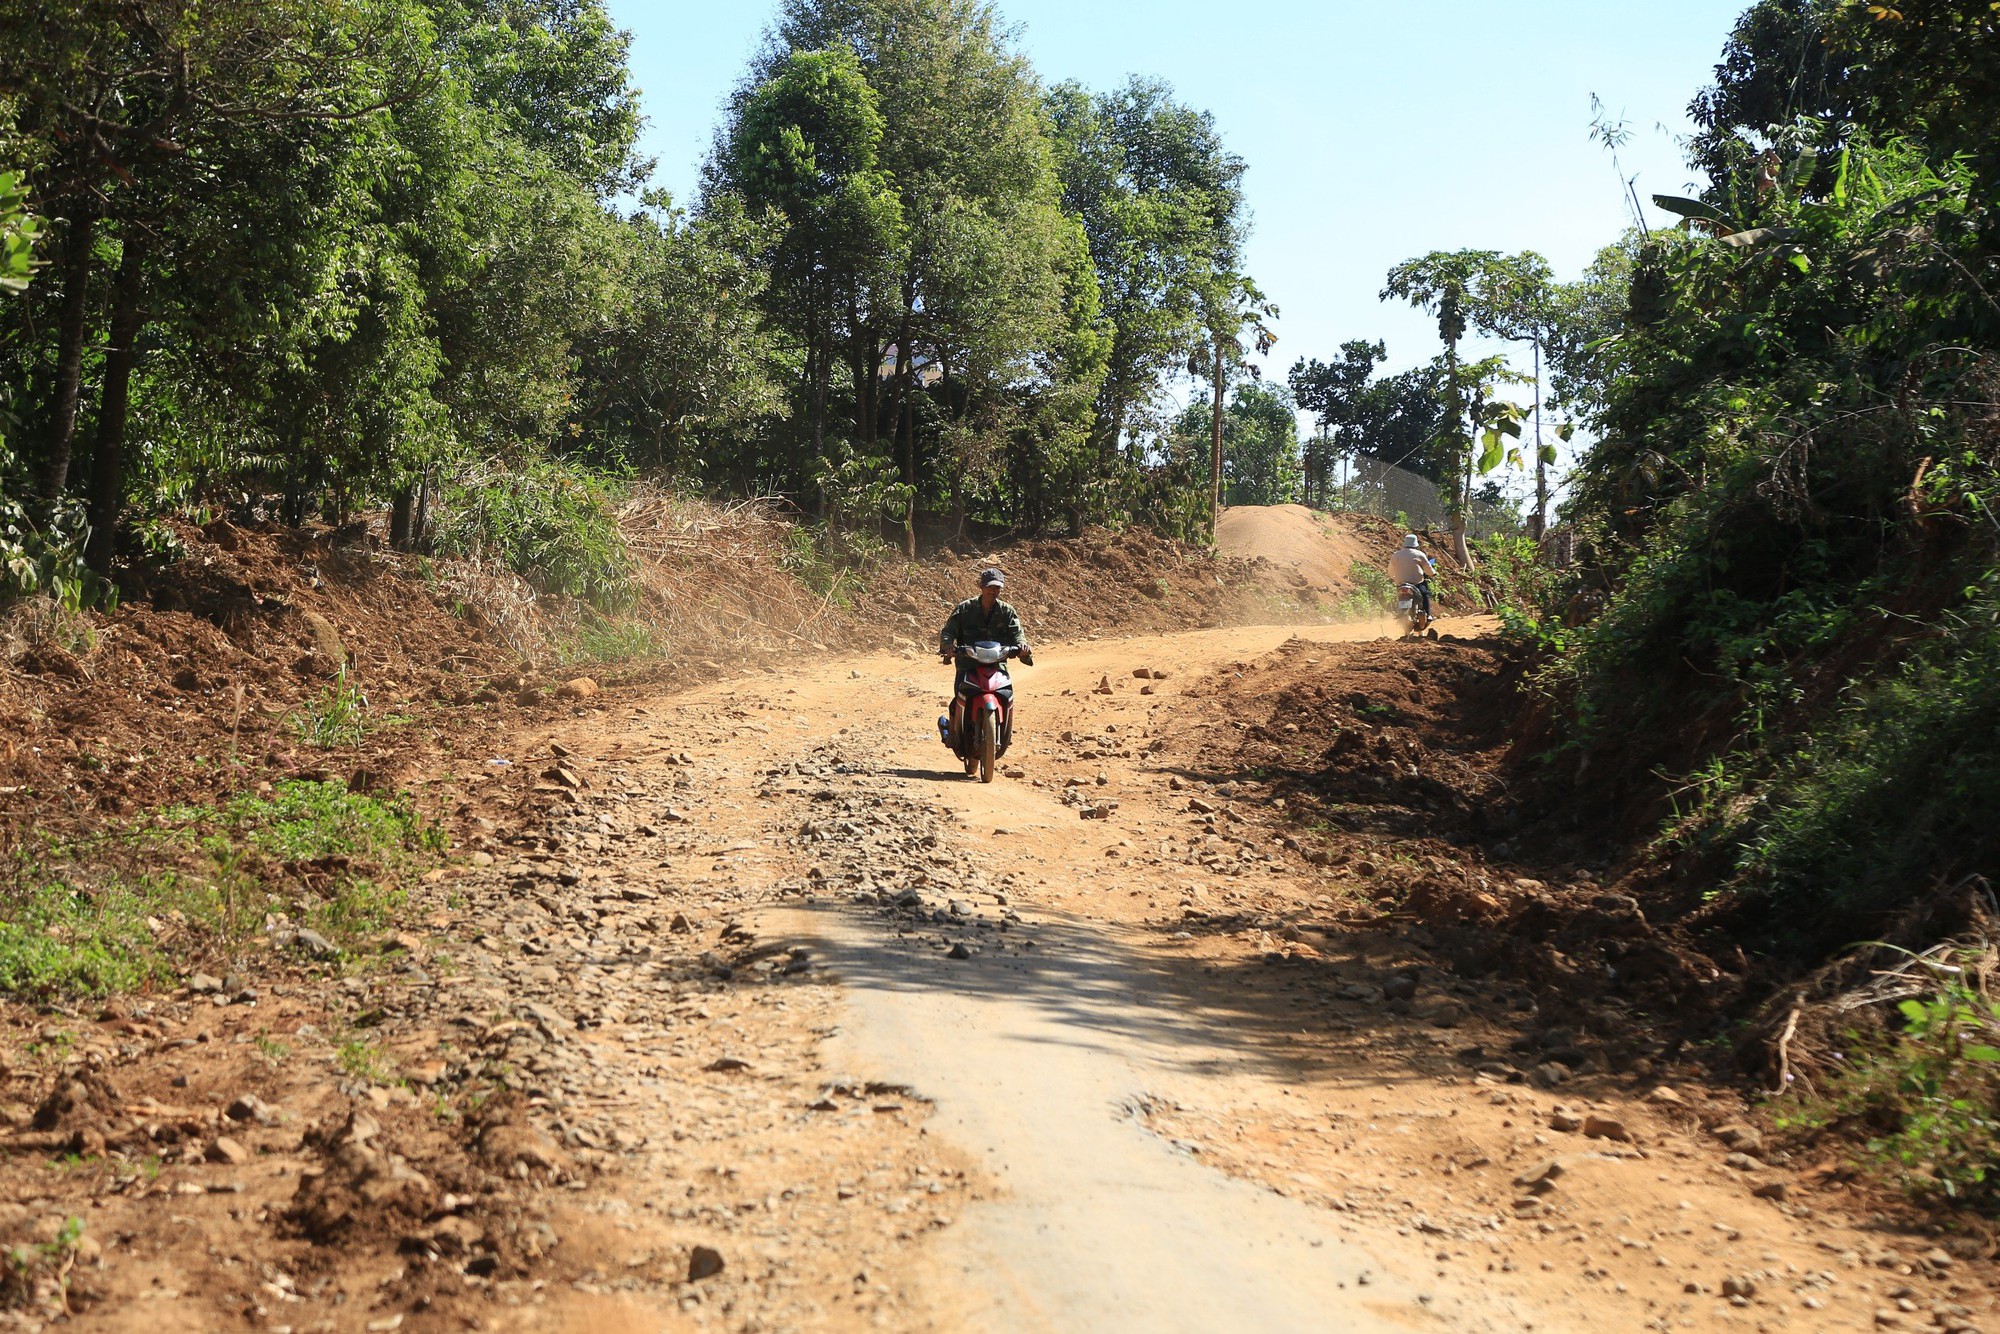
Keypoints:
pixel 552 523
pixel 1789 524
pixel 1927 1100
pixel 42 546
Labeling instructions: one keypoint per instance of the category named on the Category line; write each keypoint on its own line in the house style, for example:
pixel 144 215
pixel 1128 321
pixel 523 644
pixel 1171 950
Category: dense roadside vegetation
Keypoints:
pixel 1786 630
pixel 304 259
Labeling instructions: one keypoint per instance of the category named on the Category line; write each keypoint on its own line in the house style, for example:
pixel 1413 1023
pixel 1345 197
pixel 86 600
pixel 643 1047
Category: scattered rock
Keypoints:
pixel 227 1151
pixel 202 984
pixel 725 1064
pixel 1401 986
pixel 1548 1075
pixel 1600 1127
pixel 1567 1122
pixel 1771 1190
pixel 579 688
pixel 1545 1171
pixel 250 1107
pixel 1742 1138
pixel 704 1262
pixel 958 951
pixel 1737 1285
pixel 1742 1162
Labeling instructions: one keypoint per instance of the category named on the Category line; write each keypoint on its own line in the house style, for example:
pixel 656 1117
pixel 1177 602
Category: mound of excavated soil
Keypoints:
pixel 1129 582
pixel 1321 547
pixel 1400 756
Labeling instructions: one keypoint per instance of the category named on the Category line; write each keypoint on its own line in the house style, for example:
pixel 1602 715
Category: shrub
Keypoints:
pixel 552 523
pixel 1927 1100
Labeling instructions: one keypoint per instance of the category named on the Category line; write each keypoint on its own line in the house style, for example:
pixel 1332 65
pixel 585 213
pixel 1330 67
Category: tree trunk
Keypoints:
pixel 107 469
pixel 402 518
pixel 1215 448
pixel 904 422
pixel 71 330
pixel 1462 465
pixel 1541 524
pixel 420 527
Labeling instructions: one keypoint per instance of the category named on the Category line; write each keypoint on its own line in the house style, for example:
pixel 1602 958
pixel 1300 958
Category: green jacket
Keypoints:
pixel 969 623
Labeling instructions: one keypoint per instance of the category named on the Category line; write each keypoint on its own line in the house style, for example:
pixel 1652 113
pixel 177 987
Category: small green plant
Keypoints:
pixel 337 716
pixel 26 1269
pixel 360 1059
pixel 1929 1097
pixel 273 1051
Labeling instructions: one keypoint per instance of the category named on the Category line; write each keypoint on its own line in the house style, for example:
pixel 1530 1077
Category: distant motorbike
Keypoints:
pixel 981 722
pixel 1409 609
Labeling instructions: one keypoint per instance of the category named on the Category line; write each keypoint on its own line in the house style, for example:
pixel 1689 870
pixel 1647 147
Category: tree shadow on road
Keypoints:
pixel 1086 985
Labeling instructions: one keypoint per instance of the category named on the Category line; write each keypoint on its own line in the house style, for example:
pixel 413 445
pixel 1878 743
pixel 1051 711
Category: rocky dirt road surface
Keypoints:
pixel 794 1026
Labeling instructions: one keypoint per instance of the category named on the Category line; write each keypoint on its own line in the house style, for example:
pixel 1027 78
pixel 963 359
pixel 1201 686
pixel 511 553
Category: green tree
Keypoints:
pixel 804 146
pixel 1519 300
pixel 1260 441
pixel 971 328
pixel 1445 284
pixel 1161 203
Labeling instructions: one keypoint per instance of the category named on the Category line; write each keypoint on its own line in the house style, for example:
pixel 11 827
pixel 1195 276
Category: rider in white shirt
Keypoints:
pixel 1411 565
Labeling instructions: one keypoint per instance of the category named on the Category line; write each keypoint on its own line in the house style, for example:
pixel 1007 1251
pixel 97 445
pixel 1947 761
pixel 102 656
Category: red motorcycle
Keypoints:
pixel 981 722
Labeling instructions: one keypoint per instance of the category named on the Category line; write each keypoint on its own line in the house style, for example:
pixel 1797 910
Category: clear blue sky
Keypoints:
pixel 1373 132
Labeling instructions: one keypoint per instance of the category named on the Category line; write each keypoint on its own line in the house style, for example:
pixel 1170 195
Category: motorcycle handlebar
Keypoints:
pixel 963 651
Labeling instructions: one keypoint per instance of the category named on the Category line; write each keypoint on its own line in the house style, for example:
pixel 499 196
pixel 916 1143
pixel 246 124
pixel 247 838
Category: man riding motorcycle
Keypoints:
pixel 980 620
pixel 1411 565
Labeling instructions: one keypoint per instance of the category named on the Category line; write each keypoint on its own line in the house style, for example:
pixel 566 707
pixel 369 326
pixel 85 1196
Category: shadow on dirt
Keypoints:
pixel 1082 984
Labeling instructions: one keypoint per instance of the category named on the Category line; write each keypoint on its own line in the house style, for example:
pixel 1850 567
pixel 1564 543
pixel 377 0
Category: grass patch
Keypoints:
pixel 602 639
pixel 63 934
pixel 337 716
pixel 555 524
pixel 138 904
pixel 830 561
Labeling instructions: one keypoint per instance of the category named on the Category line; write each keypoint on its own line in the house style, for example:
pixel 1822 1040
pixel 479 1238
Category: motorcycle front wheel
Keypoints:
pixel 989 745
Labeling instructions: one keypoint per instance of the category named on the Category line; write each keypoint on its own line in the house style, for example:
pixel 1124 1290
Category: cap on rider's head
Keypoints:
pixel 991 577
pixel 1410 541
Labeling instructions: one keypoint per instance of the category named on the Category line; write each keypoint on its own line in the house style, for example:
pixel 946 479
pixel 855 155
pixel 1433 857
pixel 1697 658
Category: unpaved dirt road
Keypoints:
pixel 1129 1126
pixel 805 1030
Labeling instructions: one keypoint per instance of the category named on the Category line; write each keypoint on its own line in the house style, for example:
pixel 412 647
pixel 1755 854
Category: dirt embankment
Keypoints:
pixel 201 686
pixel 1344 555
pixel 1402 755
pixel 324 1110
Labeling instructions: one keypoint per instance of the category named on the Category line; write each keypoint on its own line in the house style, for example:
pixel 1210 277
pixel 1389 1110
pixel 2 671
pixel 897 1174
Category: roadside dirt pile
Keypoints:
pixel 1402 755
pixel 1346 555
pixel 230 667
pixel 1105 582
pixel 1322 547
